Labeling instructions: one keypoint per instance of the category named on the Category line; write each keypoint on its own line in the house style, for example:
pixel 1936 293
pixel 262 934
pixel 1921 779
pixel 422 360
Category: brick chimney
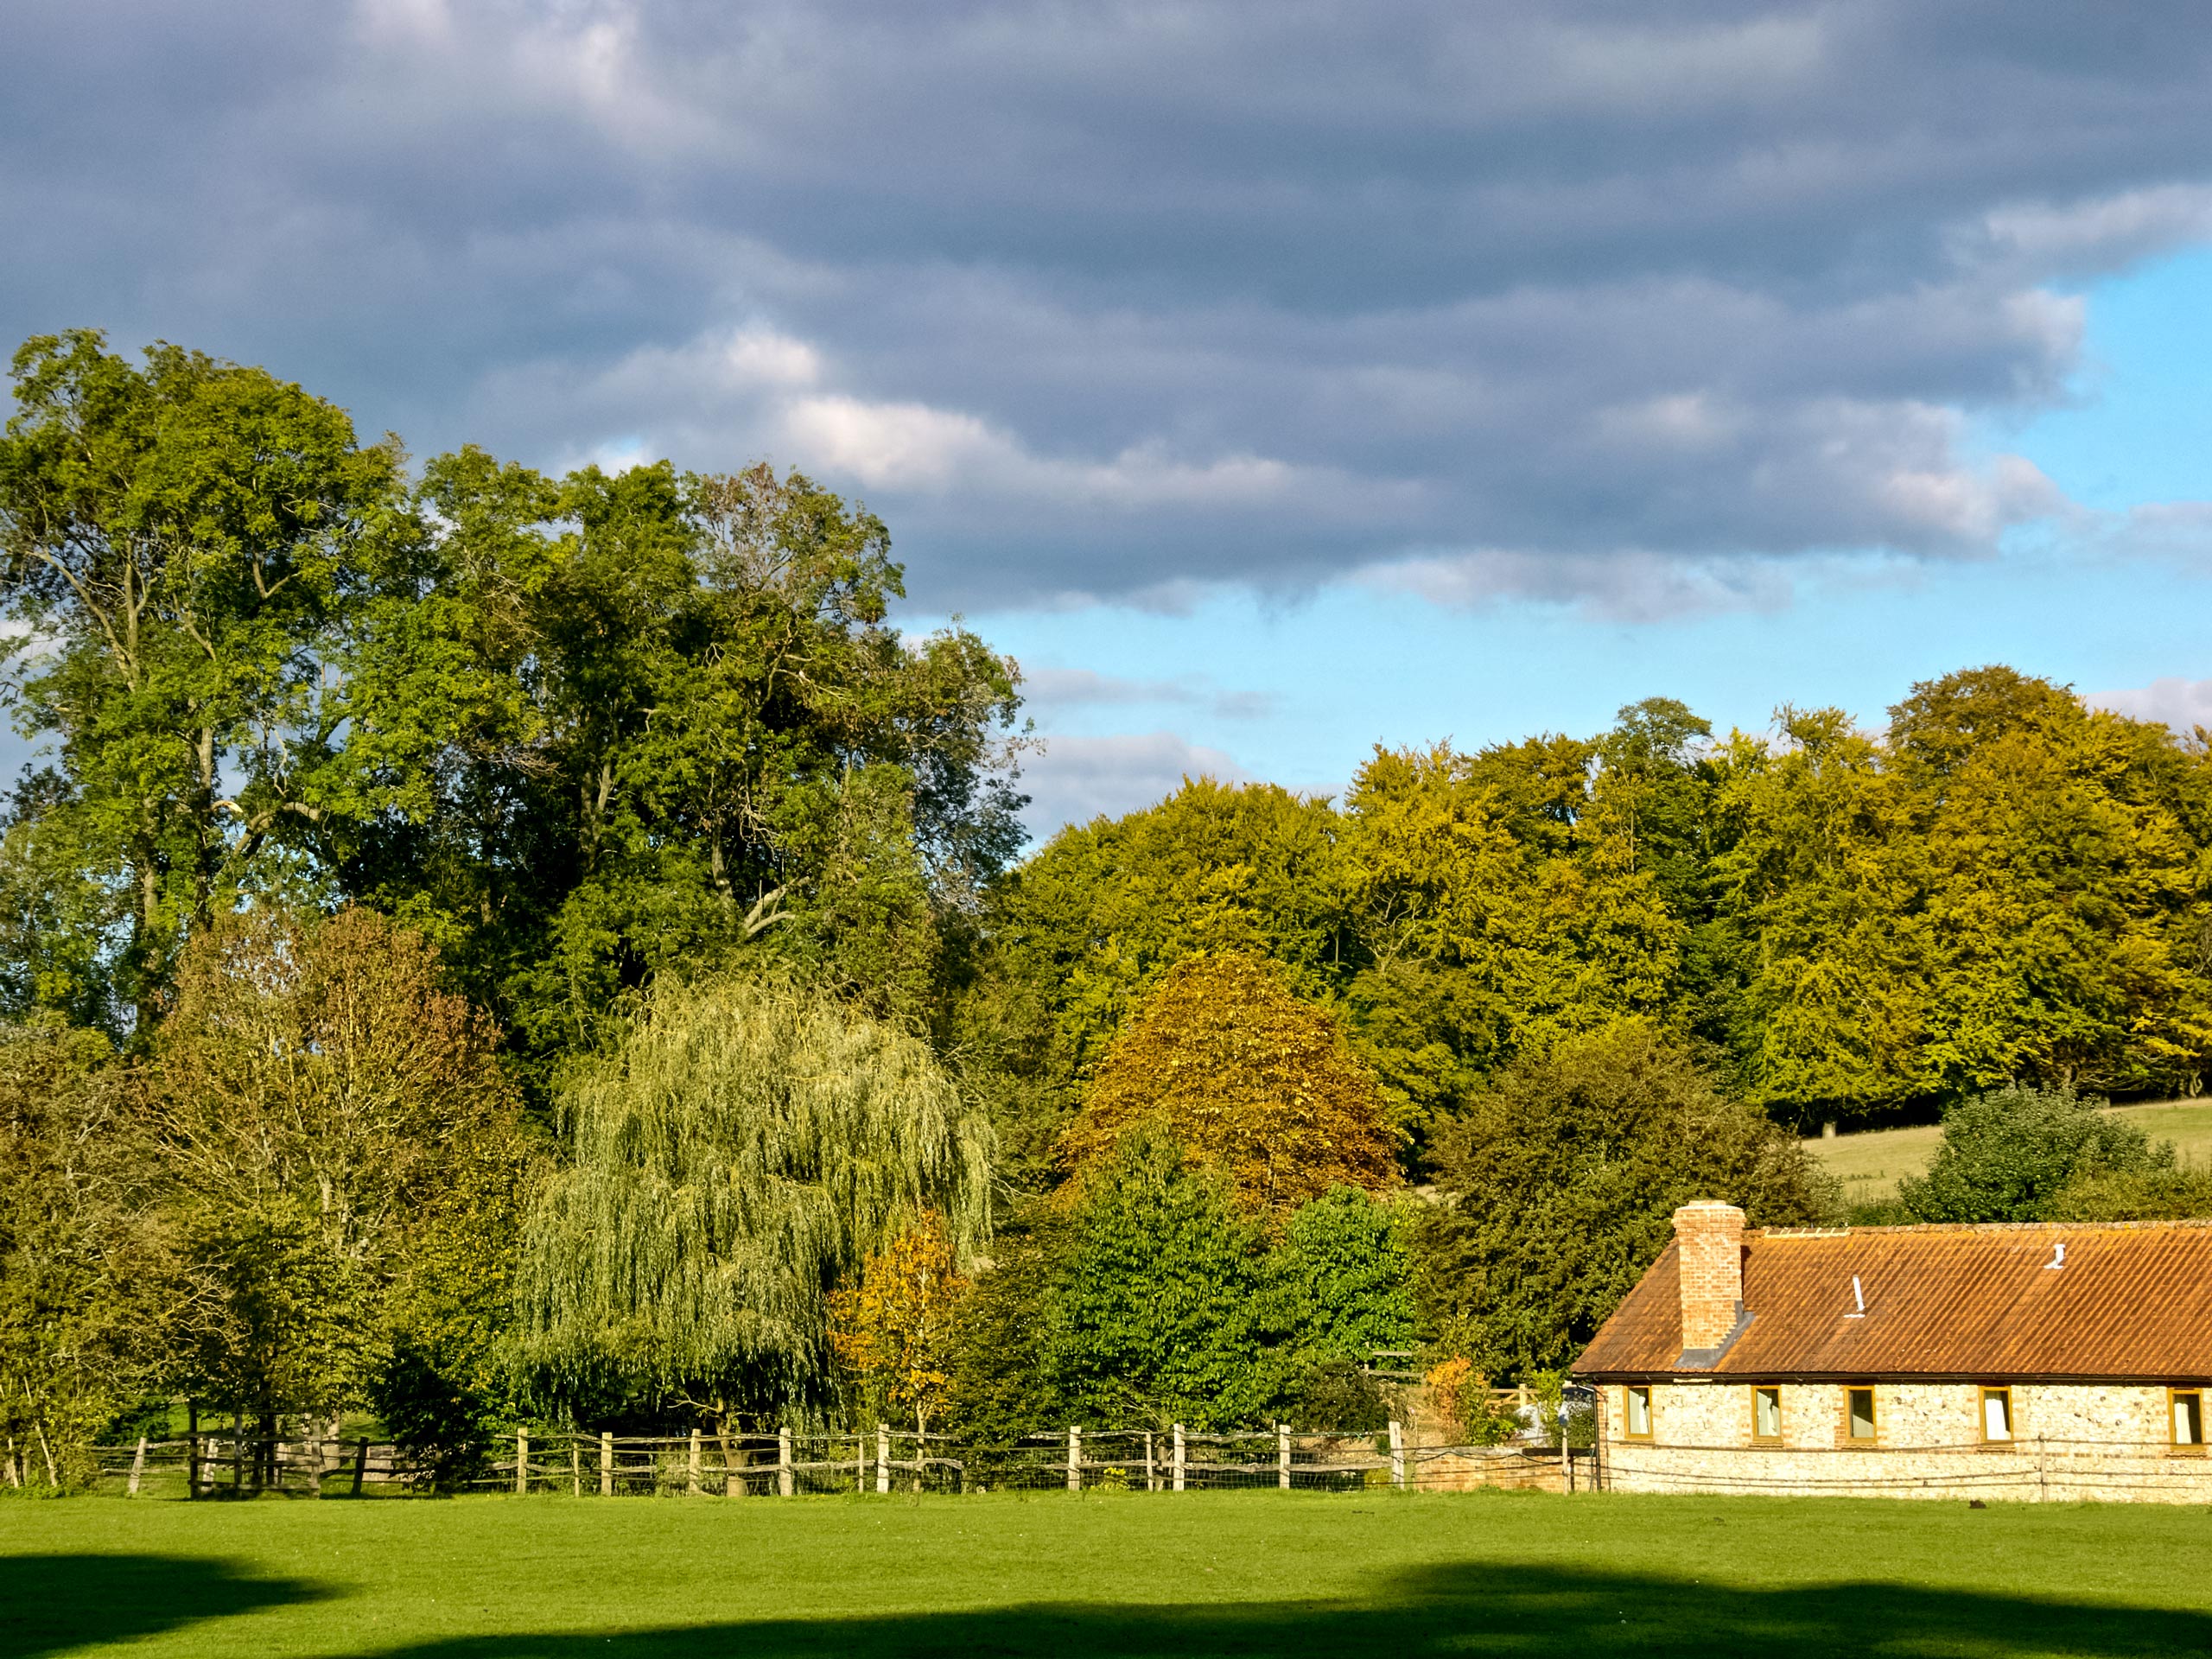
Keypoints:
pixel 1709 1252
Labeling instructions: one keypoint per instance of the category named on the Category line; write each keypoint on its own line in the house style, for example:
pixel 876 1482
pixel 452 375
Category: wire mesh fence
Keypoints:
pixel 2040 1470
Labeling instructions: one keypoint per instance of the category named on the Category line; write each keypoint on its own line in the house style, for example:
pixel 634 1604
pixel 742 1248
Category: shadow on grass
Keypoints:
pixel 55 1604
pixel 1492 1609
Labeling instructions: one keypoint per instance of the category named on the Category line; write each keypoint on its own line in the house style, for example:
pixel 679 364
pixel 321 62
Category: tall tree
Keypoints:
pixel 322 1100
pixel 612 722
pixel 1559 1179
pixel 1078 936
pixel 180 542
pixel 1223 1060
pixel 742 1150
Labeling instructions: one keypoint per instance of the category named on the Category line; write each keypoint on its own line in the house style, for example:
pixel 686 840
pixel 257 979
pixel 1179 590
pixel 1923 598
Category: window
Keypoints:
pixel 1766 1415
pixel 1638 1413
pixel 1997 1414
pixel 1858 1416
pixel 2188 1416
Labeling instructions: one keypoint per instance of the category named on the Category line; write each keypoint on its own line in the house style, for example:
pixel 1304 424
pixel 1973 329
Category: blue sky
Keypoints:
pixel 1273 378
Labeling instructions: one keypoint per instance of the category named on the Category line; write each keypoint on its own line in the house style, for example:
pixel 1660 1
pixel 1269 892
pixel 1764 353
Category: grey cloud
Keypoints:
pixel 1075 779
pixel 1600 303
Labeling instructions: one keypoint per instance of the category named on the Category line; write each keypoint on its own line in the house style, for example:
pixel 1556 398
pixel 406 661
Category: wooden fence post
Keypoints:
pixel 691 1486
pixel 1565 1451
pixel 1075 1458
pixel 576 1465
pixel 1151 1465
pixel 137 1467
pixel 883 1457
pixel 522 1461
pixel 1180 1463
pixel 787 1477
pixel 1282 1455
pixel 360 1464
pixel 605 1463
pixel 1397 1454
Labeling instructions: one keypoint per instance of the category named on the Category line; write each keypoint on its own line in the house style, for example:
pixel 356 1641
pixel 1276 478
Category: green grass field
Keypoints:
pixel 1200 1573
pixel 1871 1165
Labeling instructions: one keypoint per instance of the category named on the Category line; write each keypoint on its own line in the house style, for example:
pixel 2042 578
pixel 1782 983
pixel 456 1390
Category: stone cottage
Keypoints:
pixel 2039 1361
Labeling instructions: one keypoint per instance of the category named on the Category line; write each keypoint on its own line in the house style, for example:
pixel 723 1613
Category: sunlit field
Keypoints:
pixel 1196 1573
pixel 1871 1165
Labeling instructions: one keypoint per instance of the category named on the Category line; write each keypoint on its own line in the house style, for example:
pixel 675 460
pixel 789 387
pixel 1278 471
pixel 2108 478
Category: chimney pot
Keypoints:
pixel 1709 1260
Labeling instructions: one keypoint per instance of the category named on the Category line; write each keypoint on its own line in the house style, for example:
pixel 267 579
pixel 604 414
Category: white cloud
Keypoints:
pixel 2182 704
pixel 1076 779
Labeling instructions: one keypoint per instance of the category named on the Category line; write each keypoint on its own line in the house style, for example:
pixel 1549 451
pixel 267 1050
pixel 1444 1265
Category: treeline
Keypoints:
pixel 483 947
pixel 2003 886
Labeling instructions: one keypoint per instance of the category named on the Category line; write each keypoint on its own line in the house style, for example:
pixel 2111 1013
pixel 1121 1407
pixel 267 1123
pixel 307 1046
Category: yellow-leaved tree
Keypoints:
pixel 895 1329
pixel 1246 1077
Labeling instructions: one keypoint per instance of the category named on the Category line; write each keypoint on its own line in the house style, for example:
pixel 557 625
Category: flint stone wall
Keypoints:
pixel 2070 1441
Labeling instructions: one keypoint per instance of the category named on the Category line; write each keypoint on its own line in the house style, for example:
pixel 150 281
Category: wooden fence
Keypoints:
pixel 796 1461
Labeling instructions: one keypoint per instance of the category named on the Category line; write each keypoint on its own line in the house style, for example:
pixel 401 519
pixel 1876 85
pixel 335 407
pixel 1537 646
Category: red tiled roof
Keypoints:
pixel 2133 1301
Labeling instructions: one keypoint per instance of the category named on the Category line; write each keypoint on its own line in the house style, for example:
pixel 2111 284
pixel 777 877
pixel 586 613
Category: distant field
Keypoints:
pixel 1871 1164
pixel 1102 1577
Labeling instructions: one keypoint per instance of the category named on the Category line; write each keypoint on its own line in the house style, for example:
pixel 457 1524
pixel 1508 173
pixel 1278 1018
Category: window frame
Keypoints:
pixel 2003 1391
pixel 1629 1391
pixel 1780 1425
pixel 2174 1442
pixel 1867 1442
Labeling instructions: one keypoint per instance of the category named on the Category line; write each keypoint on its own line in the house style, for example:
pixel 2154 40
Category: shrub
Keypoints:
pixel 2009 1154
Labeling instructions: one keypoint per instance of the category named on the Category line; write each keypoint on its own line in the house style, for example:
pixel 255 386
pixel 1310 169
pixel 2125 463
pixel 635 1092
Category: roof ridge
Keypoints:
pixel 1932 1227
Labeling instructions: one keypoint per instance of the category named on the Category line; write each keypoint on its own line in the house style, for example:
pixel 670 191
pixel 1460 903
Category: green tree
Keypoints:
pixel 2065 911
pixel 614 722
pixel 742 1150
pixel 1160 1311
pixel 2009 1153
pixel 1080 934
pixel 324 1108
pixel 1559 1180
pixel 178 547
pixel 1499 907
pixel 1345 1267
pixel 1823 878
pixel 83 1261
pixel 2161 1192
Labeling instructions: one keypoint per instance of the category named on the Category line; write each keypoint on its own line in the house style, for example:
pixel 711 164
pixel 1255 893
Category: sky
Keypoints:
pixel 1273 380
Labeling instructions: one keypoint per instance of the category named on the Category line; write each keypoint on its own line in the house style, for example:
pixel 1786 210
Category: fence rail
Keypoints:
pixel 801 1462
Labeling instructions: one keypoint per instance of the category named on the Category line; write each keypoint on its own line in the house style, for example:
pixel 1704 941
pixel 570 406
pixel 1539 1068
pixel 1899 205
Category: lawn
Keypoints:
pixel 1870 1165
pixel 1247 1573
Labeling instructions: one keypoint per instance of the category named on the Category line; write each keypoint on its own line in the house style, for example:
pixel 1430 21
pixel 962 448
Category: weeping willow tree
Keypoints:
pixel 745 1148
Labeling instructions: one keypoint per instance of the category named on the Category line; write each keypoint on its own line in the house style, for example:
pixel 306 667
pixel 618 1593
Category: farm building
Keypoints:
pixel 2043 1361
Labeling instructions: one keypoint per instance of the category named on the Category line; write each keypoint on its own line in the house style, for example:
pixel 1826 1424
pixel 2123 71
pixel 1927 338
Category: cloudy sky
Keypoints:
pixel 1274 380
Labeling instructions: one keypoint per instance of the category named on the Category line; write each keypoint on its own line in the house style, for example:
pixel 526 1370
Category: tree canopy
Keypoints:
pixel 1246 1078
pixel 743 1148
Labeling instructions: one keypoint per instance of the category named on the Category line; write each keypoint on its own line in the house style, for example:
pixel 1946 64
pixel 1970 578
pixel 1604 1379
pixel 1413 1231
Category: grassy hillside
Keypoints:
pixel 1202 1573
pixel 1871 1164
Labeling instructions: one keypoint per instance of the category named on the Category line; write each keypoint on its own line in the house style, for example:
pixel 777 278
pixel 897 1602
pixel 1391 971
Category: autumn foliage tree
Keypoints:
pixel 895 1329
pixel 1246 1078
